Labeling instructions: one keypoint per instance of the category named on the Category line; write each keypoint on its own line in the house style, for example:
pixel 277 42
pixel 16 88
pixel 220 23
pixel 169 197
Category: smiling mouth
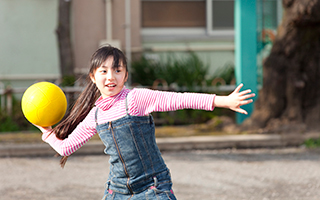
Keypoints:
pixel 111 85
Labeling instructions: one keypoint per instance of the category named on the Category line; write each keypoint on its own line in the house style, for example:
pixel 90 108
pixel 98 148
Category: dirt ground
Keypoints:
pixel 264 174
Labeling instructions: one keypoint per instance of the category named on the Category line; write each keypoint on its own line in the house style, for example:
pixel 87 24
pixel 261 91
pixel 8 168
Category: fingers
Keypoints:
pixel 43 129
pixel 247 96
pixel 246 102
pixel 239 110
pixel 237 90
pixel 245 92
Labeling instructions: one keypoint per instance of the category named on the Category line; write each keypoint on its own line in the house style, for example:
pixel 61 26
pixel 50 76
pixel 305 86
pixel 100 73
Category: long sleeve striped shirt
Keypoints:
pixel 141 102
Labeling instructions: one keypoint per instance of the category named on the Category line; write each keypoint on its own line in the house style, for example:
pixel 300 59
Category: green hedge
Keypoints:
pixel 189 72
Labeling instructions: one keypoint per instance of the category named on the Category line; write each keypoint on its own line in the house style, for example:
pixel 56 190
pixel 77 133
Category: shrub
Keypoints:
pixel 189 72
pixel 312 143
pixel 16 121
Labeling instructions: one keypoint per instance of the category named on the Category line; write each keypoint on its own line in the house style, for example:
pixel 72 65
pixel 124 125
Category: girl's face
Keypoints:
pixel 108 79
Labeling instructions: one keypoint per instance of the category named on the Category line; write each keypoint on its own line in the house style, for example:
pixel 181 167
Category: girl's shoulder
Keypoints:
pixel 139 93
pixel 133 90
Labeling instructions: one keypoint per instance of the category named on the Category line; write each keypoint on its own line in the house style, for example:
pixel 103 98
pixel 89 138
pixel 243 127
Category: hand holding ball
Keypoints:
pixel 44 104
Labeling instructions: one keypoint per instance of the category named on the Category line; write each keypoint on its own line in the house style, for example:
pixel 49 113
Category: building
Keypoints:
pixel 153 28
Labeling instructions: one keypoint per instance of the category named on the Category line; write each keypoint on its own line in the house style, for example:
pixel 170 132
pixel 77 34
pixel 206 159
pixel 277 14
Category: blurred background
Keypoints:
pixel 170 45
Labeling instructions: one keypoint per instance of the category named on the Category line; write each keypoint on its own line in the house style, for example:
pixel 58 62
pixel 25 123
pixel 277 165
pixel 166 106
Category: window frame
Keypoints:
pixel 209 17
pixel 170 31
pixel 201 32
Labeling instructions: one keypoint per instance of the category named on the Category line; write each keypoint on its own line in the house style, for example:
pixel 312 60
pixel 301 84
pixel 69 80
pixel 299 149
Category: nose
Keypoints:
pixel 110 75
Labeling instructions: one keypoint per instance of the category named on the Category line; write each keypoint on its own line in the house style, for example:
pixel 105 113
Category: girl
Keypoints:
pixel 122 119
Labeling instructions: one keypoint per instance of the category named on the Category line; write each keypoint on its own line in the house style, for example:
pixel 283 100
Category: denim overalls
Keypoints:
pixel 137 170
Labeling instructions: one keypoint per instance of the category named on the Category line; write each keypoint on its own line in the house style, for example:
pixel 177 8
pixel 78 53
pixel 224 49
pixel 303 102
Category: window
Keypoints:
pixel 220 17
pixel 173 17
pixel 269 12
pixel 198 17
pixel 173 14
pixel 222 13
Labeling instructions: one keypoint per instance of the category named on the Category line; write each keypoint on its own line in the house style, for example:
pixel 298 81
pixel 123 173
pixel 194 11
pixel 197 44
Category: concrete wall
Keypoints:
pixel 28 48
pixel 119 22
pixel 89 28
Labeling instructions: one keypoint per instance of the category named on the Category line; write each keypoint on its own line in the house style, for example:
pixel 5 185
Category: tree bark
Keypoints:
pixel 64 41
pixel 290 97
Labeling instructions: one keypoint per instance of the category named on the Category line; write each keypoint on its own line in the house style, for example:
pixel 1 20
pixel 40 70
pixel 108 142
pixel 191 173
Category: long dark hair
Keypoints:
pixel 89 95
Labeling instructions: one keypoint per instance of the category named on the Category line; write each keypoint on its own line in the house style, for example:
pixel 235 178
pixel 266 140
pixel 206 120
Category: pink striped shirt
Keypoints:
pixel 141 102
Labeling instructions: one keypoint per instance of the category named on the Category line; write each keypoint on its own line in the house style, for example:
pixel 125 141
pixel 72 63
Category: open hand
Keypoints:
pixel 234 100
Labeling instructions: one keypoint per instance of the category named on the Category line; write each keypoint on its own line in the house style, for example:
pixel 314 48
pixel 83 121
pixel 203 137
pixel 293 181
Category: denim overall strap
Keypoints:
pixel 127 110
pixel 96 116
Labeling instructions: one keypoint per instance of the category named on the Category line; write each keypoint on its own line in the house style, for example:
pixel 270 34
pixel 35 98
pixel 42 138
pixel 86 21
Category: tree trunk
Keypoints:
pixel 290 97
pixel 64 40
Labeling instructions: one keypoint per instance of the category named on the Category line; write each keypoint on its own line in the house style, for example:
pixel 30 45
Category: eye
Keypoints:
pixel 118 70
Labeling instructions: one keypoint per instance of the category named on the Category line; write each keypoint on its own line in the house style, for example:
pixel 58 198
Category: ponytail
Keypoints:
pixel 80 110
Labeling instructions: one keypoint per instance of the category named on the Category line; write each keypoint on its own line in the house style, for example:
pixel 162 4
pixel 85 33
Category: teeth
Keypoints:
pixel 111 85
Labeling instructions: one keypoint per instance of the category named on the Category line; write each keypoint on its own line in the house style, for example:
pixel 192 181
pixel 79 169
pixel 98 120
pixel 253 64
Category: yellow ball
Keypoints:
pixel 44 104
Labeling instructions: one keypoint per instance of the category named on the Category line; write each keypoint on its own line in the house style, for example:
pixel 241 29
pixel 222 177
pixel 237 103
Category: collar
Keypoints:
pixel 107 103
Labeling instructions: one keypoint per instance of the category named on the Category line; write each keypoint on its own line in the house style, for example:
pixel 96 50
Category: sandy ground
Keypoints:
pixel 258 174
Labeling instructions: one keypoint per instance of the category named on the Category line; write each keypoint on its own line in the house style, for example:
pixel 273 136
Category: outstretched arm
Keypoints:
pixel 234 100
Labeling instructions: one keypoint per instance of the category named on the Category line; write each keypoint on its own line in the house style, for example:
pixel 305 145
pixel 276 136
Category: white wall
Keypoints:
pixel 28 44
